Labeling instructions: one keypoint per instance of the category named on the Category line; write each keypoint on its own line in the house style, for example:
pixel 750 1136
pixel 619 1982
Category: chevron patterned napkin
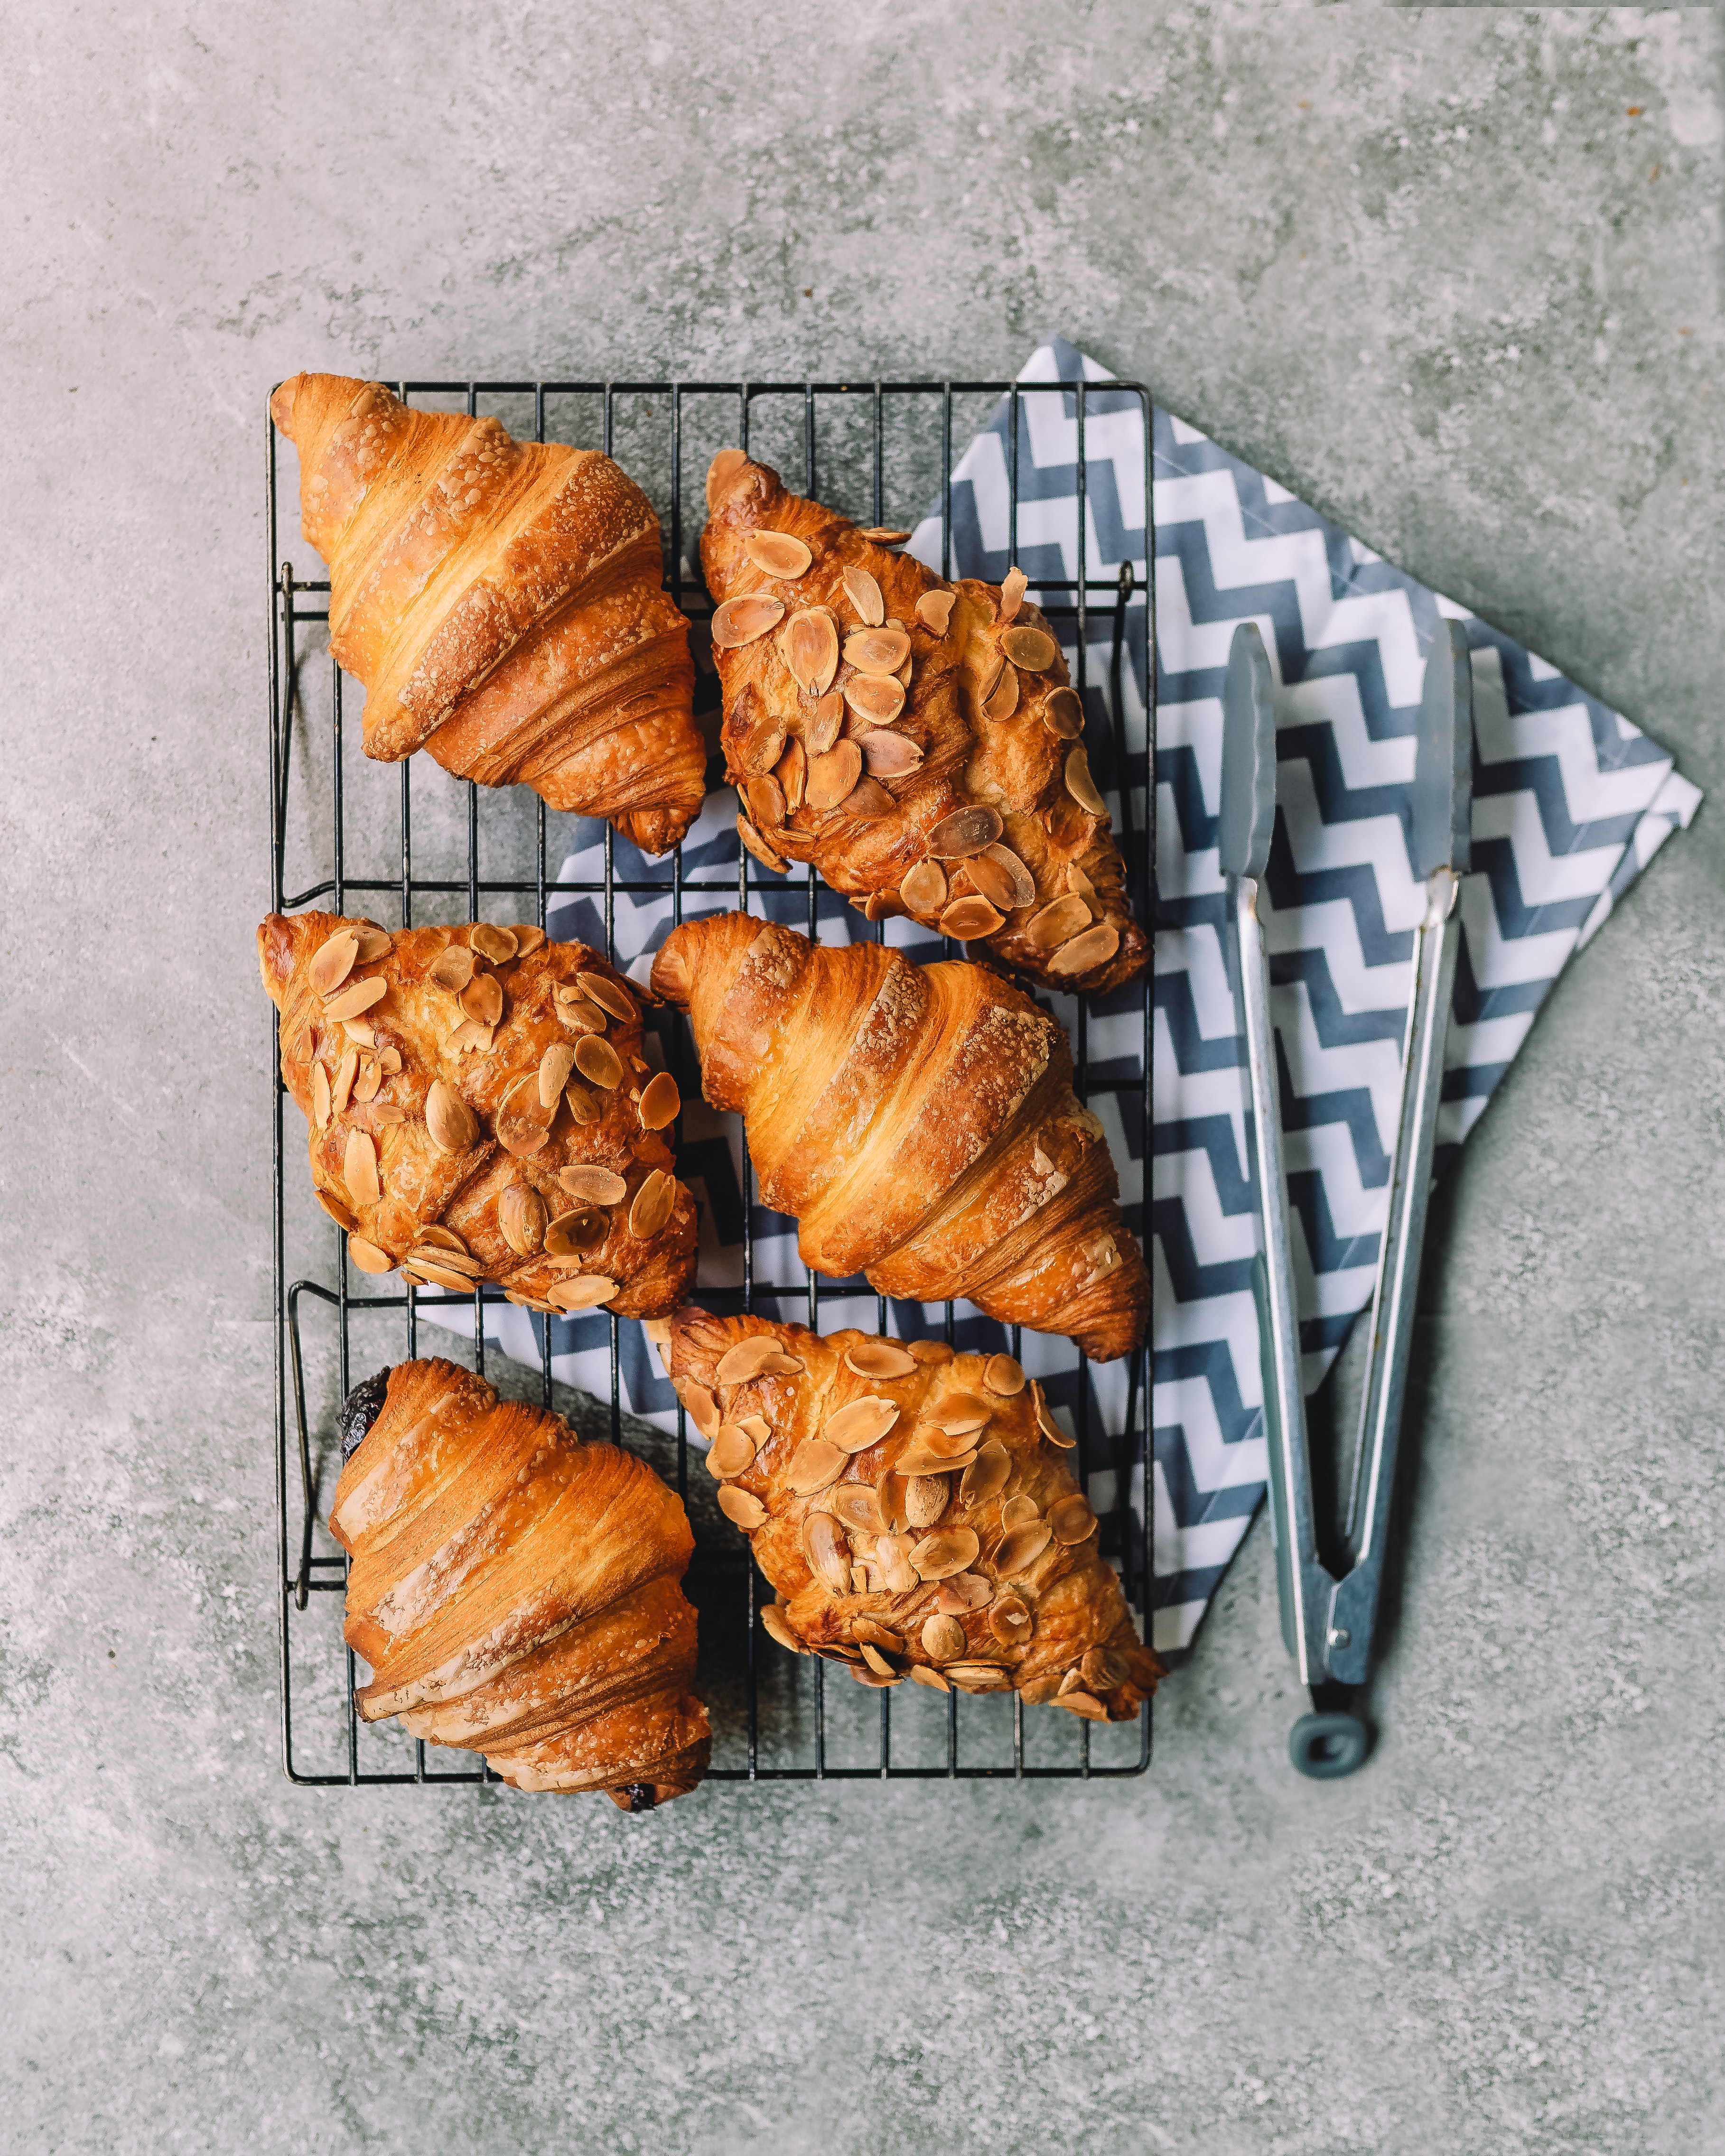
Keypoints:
pixel 1570 804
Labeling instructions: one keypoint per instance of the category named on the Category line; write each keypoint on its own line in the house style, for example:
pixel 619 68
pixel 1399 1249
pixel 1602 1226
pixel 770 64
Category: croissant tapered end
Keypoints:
pixel 518 1594
pixel 915 1509
pixel 278 938
pixel 918 1123
pixel 918 740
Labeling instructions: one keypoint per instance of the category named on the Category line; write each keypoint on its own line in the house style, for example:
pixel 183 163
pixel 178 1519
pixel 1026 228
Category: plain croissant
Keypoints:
pixel 916 741
pixel 913 1510
pixel 501 602
pixel 479 1110
pixel 517 1591
pixel 918 1122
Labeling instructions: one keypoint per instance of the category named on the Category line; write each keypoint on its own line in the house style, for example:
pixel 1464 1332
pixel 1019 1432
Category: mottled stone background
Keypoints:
pixel 1454 275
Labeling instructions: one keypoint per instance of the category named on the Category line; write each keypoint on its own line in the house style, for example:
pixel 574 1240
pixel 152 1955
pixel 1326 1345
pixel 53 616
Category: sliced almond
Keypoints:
pixel 747 1359
pixel 1063 714
pixel 934 610
pixel 437 1237
pixel 773 1621
pixel 1002 1375
pixel 741 1507
pixel 831 777
pixel 1019 1512
pixel 528 937
pixel 368 1257
pixel 864 593
pixel 731 1452
pixel 867 802
pixel 1021 885
pixel 998 888
pixel 821 727
pixel 598 1061
pixel 1033 649
pixel 862 1423
pixel 925 1497
pixel 320 1103
pixel 374 942
pixel 1080 784
pixel 571 1234
pixel 1012 586
pixel 947 1551
pixel 703 1409
pixel 1050 1427
pixel 959 1411
pixel 335 960
pixel 815 1465
pixel 877 650
pixel 1094 947
pixel 810 648
pixel 866 1631
pixel 652 1206
pixel 608 994
pixel 768 856
pixel 577 1014
pixel 1102 1669
pixel 964 1590
pixel 1057 923
pixel 389 1061
pixel 924 890
pixel 660 1101
pixel 359 1169
pixel 879 1359
pixel 585 1292
pixel 986 1477
pixel 428 1273
pixel 723 469
pixel 883 535
pixel 741 621
pixel 426 1251
pixel 1082 1703
pixel 889 755
pixel 370 1078
pixel 482 999
pixel 1072 1520
pixel 337 1210
pixel 965 831
pixel 593 1186
pixel 1079 884
pixel 555 1066
pixel 1002 699
pixel 520 1219
pixel 931 1352
pixel 828 1553
pixel 977 1676
pixel 454 968
pixel 876 697
pixel 583 1106
pixel 496 944
pixel 777 554
pixel 943 1639
pixel 892 1554
pixel 1021 1548
pixel 877 1661
pixel 359 1033
pixel 968 918
pixel 765 799
pixel 921 1459
pixel 356 997
pixel 1039 1691
pixel 792 772
pixel 523 1123
pixel 858 1504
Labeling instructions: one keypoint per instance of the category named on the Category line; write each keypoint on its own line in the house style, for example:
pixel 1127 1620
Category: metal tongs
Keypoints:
pixel 1327 1622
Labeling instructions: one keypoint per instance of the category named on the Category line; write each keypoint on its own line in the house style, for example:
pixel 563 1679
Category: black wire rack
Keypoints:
pixel 776 1717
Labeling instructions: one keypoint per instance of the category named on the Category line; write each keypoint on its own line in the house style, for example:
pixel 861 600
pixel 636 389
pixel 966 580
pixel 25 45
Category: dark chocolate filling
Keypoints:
pixel 360 1409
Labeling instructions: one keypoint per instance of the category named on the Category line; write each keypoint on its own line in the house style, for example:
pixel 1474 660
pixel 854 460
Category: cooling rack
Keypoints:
pixel 408 844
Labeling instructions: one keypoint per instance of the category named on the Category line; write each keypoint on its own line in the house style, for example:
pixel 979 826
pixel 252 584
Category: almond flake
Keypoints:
pixel 528 937
pixel 384 1112
pixel 768 856
pixel 940 1555
pixel 920 1459
pixel 497 944
pixel 454 969
pixel 777 554
pixel 1080 785
pixel 1002 699
pixel 883 535
pixel 815 1465
pixel 862 1423
pixel 555 1066
pixel 1057 923
pixel 792 772
pixel 878 698
pixel 828 1553
pixel 652 1206
pixel 810 648
pixel 1033 649
pixel 931 1352
pixel 368 1257
pixel 1012 586
pixel 879 1359
pixel 959 1411
pixel 924 890
pixel 943 1639
pixel 359 1169
pixel 865 595
pixel 965 831
pixel 749 1358
pixel 888 755
pixel 571 1235
pixel 773 1621
pixel 867 802
pixel 934 610
pixel 335 960
pixel 346 1070
pixel 359 1033
pixel 926 1499
pixel 1039 1691
pixel 1022 1548
pixel 358 996
pixel 583 1106
pixel 370 1078
pixel 593 1186
pixel 520 1219
pixel 1063 714
pixel 731 1452
pixel 337 1211
pixel 964 1590
pixel 319 1096
pixel 1019 1512
pixel 1102 1669
pixel 703 1409
pixel 741 621
pixel 741 1507
pixel 831 777
pixel 1050 1427
pixel 858 1505
pixel 482 999
pixel 877 650
pixel 428 1270
pixel 921 1674
pixel 967 918
pixel 1081 1702
pixel 1079 884
pixel 977 1676
pixel 452 1124
pixel 1094 947
pixel 583 1292
pixel 1072 1520
pixel 389 1061
pixel 1002 1375
pixel 597 1060
pixel 877 1660
pixel 986 1477
pixel 523 1124
pixel 660 1101
pixel 722 470
pixel 374 942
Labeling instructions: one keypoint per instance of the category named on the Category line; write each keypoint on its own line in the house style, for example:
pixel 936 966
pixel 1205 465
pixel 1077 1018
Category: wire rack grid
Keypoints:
pixel 776 1717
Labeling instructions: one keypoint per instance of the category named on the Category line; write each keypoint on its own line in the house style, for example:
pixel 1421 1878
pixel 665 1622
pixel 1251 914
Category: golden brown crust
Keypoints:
pixel 479 1202
pixel 1014 1525
pixel 918 1122
pixel 501 602
pixel 1015 764
pixel 516 1592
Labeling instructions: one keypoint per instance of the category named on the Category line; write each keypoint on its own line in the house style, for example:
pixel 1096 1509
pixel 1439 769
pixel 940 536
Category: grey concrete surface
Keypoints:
pixel 1452 274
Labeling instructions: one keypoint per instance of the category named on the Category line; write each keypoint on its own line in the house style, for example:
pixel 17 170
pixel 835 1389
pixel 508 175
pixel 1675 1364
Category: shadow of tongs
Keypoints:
pixel 1327 1621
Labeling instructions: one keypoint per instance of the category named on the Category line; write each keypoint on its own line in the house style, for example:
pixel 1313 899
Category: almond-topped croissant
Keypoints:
pixel 501 602
pixel 918 1122
pixel 479 1110
pixel 917 741
pixel 913 1510
pixel 517 1591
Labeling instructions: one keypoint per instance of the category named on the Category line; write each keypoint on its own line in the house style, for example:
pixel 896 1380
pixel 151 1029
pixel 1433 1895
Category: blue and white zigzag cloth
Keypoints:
pixel 1570 804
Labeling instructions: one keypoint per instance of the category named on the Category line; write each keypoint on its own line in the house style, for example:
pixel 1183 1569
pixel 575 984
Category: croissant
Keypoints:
pixel 917 741
pixel 479 1110
pixel 501 602
pixel 517 1591
pixel 919 1122
pixel 912 1509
